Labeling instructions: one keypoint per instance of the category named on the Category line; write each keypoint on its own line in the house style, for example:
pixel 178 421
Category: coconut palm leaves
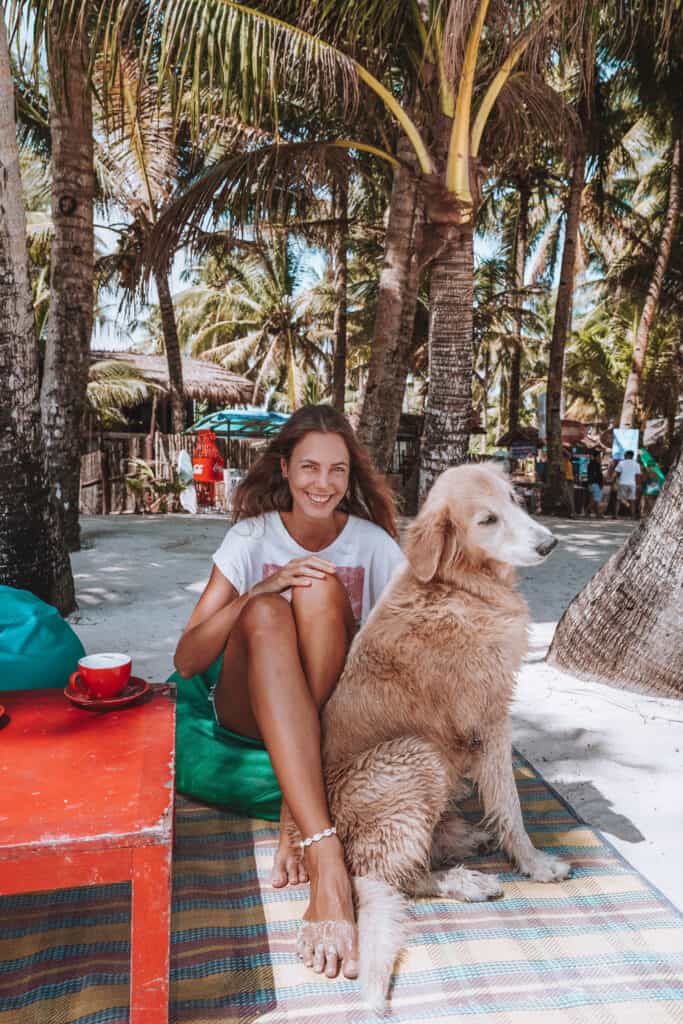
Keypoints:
pixel 274 183
pixel 138 161
pixel 113 387
pixel 258 323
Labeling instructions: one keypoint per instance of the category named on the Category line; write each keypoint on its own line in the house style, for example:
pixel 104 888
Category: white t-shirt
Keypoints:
pixel 365 556
pixel 627 471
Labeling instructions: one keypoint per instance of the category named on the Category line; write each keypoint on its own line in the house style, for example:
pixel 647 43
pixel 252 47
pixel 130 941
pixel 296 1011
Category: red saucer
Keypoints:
pixel 2 711
pixel 135 689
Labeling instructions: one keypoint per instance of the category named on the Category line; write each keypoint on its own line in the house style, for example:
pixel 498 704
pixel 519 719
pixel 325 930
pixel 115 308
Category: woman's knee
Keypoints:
pixel 264 612
pixel 325 595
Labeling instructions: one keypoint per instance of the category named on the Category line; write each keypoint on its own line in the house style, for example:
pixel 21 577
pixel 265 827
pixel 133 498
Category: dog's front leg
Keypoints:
pixel 496 782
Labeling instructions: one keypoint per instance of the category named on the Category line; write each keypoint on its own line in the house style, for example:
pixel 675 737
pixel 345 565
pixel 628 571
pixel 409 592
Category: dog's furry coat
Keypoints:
pixel 423 705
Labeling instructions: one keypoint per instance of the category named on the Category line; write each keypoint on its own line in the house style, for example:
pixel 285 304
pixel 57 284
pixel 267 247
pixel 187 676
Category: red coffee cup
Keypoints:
pixel 102 675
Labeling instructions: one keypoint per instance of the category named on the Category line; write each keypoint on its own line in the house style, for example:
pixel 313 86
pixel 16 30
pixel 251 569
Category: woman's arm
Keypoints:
pixel 211 622
pixel 219 608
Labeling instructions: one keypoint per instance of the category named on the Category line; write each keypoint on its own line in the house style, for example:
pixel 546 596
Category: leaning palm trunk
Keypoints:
pixel 445 440
pixel 675 390
pixel 32 551
pixel 397 372
pixel 552 498
pixel 173 357
pixel 374 428
pixel 626 625
pixel 340 264
pixel 628 409
pixel 70 319
pixel 521 235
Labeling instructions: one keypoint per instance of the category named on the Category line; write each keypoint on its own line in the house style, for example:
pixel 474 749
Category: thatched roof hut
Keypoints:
pixel 203 381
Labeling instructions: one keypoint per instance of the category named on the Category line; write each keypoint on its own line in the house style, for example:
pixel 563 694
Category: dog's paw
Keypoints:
pixel 545 867
pixel 454 845
pixel 470 886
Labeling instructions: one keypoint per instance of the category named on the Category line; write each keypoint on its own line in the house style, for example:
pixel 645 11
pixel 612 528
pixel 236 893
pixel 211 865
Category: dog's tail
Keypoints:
pixel 382 931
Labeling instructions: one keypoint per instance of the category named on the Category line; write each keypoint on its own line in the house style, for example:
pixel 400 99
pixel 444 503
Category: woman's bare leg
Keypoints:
pixel 325 626
pixel 277 704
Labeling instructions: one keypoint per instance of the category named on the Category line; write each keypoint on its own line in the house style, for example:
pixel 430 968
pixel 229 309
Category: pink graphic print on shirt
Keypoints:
pixel 350 576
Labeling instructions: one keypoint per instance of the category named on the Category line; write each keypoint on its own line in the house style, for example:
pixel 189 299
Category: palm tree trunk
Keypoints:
pixel 445 439
pixel 340 264
pixel 374 428
pixel 624 628
pixel 675 391
pixel 33 555
pixel 628 409
pixel 173 357
pixel 521 236
pixel 397 372
pixel 70 319
pixel 485 384
pixel 503 397
pixel 552 497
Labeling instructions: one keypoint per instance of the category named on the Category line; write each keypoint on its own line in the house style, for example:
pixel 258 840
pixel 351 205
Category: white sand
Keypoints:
pixel 614 755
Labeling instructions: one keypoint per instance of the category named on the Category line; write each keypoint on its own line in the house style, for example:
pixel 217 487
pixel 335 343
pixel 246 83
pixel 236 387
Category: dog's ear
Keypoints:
pixel 431 538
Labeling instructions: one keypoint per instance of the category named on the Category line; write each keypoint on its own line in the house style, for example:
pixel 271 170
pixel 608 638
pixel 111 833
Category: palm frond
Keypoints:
pixel 139 146
pixel 271 183
pixel 531 119
pixel 246 52
pixel 113 387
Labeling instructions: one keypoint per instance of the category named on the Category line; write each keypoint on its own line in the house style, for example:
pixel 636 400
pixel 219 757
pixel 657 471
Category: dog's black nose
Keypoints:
pixel 546 547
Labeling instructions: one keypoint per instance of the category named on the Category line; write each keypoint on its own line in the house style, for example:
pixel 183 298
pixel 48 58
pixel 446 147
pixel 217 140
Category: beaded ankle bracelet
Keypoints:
pixel 331 831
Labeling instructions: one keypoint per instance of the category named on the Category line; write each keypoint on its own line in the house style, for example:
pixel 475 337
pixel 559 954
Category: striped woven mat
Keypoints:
pixel 603 947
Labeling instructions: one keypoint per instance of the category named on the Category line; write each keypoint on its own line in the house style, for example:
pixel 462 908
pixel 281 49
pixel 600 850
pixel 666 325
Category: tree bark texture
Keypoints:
pixel 521 240
pixel 340 267
pixel 173 357
pixel 632 392
pixel 448 246
pixel 552 496
pixel 626 625
pixel 32 551
pixel 397 372
pixel 676 390
pixel 445 438
pixel 70 319
pixel 374 428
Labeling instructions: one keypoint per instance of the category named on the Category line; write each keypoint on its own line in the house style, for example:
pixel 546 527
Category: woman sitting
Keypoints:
pixel 312 548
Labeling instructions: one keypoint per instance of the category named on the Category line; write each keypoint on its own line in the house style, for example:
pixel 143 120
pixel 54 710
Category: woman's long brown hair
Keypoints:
pixel 264 489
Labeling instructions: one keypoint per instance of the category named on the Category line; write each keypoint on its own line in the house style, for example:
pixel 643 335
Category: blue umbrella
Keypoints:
pixel 240 423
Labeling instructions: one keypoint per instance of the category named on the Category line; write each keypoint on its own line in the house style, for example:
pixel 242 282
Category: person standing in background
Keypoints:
pixel 595 482
pixel 568 482
pixel 627 473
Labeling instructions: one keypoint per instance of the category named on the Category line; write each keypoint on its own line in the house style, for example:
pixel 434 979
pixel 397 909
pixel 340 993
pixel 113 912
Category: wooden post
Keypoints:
pixel 104 473
pixel 149 439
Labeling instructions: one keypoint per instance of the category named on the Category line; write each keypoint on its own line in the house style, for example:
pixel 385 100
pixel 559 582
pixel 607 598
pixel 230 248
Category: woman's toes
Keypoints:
pixel 278 876
pixel 304 946
pixel 351 965
pixel 351 968
pixel 319 958
pixel 303 873
pixel 293 870
pixel 332 962
pixel 307 954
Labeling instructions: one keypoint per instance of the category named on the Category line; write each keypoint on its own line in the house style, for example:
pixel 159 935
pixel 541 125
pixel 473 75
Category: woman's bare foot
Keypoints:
pixel 328 936
pixel 288 865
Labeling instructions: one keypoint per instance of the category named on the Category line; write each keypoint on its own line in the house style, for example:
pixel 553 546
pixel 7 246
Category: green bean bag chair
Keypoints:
pixel 37 647
pixel 216 765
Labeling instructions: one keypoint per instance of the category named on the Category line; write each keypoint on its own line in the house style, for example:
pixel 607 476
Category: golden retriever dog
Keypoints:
pixel 423 706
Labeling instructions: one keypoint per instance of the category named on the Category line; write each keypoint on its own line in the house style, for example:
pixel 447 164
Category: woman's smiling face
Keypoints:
pixel 318 473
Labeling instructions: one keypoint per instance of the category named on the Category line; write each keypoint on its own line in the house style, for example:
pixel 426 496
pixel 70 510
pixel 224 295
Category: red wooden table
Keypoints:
pixel 86 798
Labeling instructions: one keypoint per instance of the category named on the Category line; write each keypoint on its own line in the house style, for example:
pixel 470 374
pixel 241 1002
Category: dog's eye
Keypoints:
pixel 490 520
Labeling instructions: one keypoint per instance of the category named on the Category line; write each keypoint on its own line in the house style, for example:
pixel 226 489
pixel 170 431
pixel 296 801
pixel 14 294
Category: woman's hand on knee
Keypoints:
pixel 300 572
